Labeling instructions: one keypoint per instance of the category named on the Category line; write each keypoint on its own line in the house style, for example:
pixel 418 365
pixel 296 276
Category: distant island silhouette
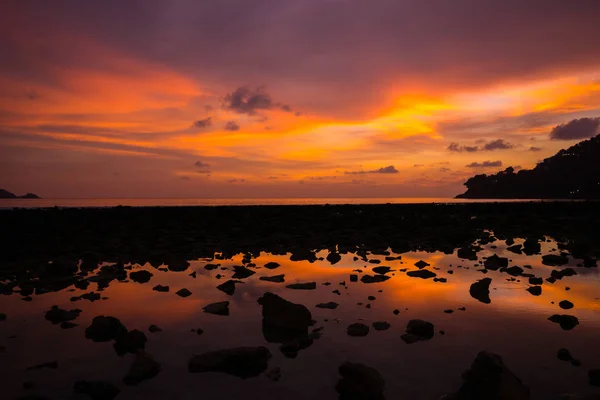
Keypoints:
pixel 573 173
pixel 5 194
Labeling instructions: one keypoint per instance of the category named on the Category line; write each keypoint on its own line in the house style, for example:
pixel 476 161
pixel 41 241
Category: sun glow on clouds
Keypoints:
pixel 97 98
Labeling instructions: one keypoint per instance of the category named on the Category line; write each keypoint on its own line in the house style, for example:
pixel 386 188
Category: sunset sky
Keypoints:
pixel 289 98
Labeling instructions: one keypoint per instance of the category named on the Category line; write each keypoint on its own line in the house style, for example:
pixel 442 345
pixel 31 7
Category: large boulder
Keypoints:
pixel 489 379
pixel 282 319
pixel 359 382
pixel 105 329
pixel 418 330
pixel 243 362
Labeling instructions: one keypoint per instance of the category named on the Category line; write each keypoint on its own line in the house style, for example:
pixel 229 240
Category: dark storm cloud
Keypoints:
pixel 452 44
pixel 498 144
pixel 485 164
pixel 232 126
pixel 247 101
pixel 203 123
pixel 582 128
pixel 390 169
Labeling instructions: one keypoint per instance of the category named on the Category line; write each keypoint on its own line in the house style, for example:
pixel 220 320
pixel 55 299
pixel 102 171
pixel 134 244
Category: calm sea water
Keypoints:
pixel 43 203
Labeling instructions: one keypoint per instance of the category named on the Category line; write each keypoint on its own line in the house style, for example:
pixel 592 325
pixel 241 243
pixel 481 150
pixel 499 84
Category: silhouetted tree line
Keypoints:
pixel 573 173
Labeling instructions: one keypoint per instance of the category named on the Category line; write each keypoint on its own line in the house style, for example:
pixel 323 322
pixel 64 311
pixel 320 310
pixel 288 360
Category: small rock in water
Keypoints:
pixel 418 330
pixel 274 278
pixel 183 293
pixel 535 290
pixel 336 292
pixel 58 315
pixel 371 298
pixel 303 286
pixel 144 367
pixel 489 379
pixel 359 382
pixel 353 278
pixel 381 270
pixel 357 329
pixel 210 267
pixel 243 362
pixel 373 279
pixel 514 271
pixel 480 290
pixel 381 325
pixel 442 280
pixel 105 329
pixel 495 262
pixel 421 264
pixel 131 342
pixel 396 312
pixel 193 274
pixel 242 272
pixel 535 281
pixel 331 305
pixel 566 322
pixel 228 287
pixel 140 276
pixel 555 260
pixel 220 308
pixel 154 329
pixel 565 305
pixel 97 390
pixel 422 273
pixel 448 311
pixel 272 265
pixel 161 288
pixel 334 258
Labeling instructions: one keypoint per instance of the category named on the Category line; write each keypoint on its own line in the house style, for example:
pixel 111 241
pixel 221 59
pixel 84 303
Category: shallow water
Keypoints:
pixel 515 325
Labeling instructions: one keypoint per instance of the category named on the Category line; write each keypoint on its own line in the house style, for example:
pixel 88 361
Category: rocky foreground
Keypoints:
pixel 83 252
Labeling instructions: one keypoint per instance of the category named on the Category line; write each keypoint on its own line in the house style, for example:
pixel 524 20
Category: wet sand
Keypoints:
pixel 181 248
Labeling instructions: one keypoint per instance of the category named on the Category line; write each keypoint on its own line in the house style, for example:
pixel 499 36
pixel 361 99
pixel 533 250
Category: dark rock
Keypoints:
pixel 566 322
pixel 353 278
pixel 274 278
pixel 97 390
pixel 565 305
pixel 489 379
pixel 517 249
pixel 594 377
pixel 282 319
pixel 536 281
pixel 448 311
pixel 535 290
pixel 291 347
pixel 131 342
pixel 91 296
pixel 161 288
pixel 480 290
pixel 375 261
pixel 67 325
pixel 2 317
pixel 381 325
pixel 559 274
pixel 381 270
pixel 242 272
pixel 154 329
pixel 105 329
pixel 210 267
pixel 140 276
pixel 49 365
pixel 193 274
pixel 421 264
pixel 418 330
pixel 183 293
pixel 220 308
pixel 334 258
pixel 373 279
pixel 331 305
pixel 565 355
pixel 357 329
pixel 58 315
pixel 514 271
pixel 303 286
pixel 555 260
pixel 441 280
pixel 371 298
pixel 421 273
pixel 178 265
pixel 531 246
pixel 243 362
pixel 468 253
pixel 494 262
pixel 396 312
pixel 462 308
pixel 359 382
pixel 336 292
pixel 228 287
pixel 144 367
pixel 272 265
